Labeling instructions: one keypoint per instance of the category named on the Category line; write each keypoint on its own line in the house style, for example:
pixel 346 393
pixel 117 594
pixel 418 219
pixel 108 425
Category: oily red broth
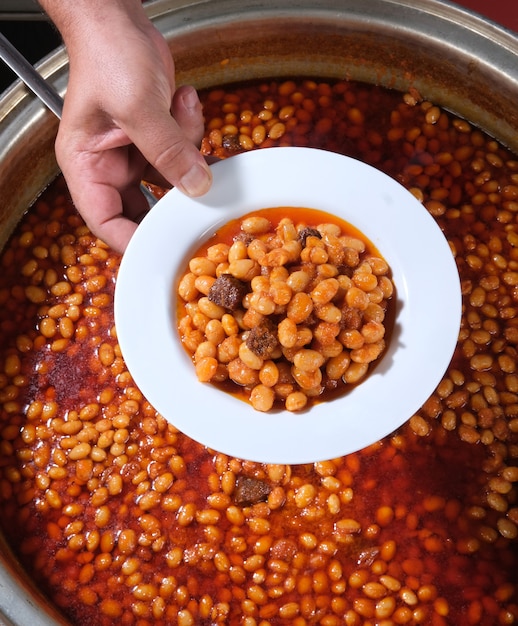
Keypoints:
pixel 123 520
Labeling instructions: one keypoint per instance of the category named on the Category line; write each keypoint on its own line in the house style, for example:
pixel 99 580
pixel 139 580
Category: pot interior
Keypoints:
pixel 450 56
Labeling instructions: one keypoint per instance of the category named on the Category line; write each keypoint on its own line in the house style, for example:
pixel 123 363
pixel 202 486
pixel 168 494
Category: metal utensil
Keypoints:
pixel 13 58
pixel 28 74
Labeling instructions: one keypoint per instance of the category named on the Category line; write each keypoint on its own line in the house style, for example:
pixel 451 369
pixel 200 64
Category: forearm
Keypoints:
pixel 77 19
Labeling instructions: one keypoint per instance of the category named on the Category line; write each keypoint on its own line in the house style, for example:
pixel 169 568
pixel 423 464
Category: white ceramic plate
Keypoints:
pixel 422 344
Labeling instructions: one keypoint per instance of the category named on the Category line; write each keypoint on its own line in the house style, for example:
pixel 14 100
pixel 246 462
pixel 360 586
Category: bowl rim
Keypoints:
pixel 396 223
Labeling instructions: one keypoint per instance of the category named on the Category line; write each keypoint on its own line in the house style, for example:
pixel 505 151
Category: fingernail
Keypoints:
pixel 196 181
pixel 190 98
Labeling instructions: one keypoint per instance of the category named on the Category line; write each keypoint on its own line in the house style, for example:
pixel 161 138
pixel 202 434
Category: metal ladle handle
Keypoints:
pixel 45 92
pixel 33 79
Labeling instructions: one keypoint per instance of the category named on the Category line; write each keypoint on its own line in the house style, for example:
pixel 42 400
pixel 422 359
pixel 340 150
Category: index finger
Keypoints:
pixel 166 147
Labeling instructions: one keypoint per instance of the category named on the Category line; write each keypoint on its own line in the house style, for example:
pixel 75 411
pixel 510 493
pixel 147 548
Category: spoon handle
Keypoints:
pixel 45 92
pixel 33 79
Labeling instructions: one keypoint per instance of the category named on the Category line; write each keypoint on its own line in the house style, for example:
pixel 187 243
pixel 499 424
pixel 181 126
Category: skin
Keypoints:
pixel 123 118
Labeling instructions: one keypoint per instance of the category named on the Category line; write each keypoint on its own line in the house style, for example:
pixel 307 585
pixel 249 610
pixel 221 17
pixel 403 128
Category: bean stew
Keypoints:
pixel 121 519
pixel 286 307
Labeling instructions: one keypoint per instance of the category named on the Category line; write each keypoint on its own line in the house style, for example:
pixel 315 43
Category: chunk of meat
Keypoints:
pixel 262 339
pixel 228 292
pixel 306 232
pixel 351 318
pixel 250 491
pixel 231 144
pixel 246 238
pixel 284 549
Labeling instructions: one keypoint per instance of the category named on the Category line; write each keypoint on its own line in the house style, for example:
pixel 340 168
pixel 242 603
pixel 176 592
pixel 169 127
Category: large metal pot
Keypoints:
pixel 453 57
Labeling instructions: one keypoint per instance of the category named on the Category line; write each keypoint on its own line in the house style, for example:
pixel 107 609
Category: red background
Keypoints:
pixel 503 12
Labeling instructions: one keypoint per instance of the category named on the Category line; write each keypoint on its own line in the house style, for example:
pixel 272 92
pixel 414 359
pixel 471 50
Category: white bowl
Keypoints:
pixel 427 316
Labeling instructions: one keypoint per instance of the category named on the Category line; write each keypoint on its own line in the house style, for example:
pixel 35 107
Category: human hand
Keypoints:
pixel 123 120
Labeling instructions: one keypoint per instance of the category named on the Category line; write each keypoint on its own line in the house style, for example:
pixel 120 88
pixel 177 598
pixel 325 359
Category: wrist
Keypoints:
pixel 80 20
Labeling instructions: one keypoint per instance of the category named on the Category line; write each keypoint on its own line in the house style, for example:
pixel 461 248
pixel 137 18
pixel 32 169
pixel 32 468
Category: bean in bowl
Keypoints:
pixel 288 304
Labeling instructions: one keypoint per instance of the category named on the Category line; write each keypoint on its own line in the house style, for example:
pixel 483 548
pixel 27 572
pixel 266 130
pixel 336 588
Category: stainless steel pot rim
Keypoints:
pixel 437 21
